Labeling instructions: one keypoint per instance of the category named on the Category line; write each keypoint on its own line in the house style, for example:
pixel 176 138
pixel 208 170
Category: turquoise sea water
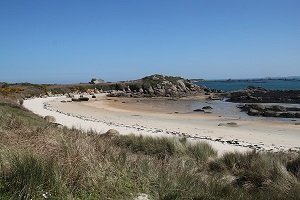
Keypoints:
pixel 232 85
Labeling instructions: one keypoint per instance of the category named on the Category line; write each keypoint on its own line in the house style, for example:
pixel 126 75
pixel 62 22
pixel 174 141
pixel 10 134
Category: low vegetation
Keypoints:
pixel 41 161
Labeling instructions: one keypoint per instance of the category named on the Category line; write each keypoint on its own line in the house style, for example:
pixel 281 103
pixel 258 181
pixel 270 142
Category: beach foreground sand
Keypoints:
pixel 103 113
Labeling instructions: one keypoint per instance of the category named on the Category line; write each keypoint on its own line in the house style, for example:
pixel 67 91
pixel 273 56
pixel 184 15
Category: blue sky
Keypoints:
pixel 71 41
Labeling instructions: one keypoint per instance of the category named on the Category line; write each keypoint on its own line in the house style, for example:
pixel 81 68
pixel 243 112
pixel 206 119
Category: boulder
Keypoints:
pixel 258 107
pixel 150 90
pixel 199 110
pixel 75 99
pixel 253 112
pixel 49 119
pixel 207 108
pixel 287 115
pixel 181 85
pixel 277 108
pixel 270 113
pixel 84 98
pixel 112 132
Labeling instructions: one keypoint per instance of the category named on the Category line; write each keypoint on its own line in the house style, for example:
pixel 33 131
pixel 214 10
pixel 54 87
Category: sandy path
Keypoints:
pixel 102 115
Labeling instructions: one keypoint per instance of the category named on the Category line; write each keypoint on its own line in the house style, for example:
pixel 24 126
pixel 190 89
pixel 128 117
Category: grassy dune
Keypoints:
pixel 39 160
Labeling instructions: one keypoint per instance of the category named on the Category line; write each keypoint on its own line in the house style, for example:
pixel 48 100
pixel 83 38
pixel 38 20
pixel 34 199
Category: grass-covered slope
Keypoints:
pixel 39 160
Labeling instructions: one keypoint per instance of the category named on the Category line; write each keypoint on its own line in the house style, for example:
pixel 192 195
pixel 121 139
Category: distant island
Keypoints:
pixel 289 78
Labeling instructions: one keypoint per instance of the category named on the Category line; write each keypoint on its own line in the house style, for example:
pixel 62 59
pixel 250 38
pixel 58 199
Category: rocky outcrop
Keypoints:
pixel 261 95
pixel 270 110
pixel 50 119
pixel 207 108
pixel 158 86
pixel 111 133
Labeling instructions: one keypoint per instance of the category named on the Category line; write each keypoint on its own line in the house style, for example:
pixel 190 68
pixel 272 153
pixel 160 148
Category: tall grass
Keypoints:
pixel 28 177
pixel 38 161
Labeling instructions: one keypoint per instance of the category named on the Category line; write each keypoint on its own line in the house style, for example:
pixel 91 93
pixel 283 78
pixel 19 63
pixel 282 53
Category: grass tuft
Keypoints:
pixel 27 176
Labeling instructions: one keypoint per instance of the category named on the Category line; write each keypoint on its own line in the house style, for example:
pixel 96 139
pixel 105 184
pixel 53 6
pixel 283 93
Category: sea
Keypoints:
pixel 232 85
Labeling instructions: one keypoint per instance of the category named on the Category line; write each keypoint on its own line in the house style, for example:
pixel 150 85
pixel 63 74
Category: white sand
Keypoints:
pixel 101 115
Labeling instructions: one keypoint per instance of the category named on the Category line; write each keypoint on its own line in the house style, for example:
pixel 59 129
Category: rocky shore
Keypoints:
pixel 255 98
pixel 270 110
pixel 261 95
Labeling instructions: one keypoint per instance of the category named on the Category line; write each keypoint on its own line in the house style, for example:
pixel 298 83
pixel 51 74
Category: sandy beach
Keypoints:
pixel 157 117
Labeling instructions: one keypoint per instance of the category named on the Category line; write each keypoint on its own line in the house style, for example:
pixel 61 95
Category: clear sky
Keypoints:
pixel 74 40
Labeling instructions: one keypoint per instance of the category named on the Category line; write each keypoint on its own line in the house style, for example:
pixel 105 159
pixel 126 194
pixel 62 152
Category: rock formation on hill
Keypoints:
pixel 157 86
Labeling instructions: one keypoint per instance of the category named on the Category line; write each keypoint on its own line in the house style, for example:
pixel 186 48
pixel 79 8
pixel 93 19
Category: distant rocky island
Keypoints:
pixel 289 78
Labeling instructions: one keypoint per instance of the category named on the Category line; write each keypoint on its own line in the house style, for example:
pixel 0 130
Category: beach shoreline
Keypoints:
pixel 102 114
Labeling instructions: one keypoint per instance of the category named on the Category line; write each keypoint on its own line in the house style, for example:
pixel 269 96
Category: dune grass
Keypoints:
pixel 39 161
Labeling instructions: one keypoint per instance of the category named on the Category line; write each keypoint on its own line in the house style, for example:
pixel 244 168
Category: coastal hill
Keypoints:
pixel 158 86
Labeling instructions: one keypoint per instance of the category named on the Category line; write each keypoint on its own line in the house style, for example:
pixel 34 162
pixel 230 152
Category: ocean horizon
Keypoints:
pixel 232 85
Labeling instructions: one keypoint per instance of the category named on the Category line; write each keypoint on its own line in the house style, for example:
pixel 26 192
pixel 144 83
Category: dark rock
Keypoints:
pixel 292 109
pixel 261 95
pixel 207 108
pixel 277 108
pixel 269 111
pixel 84 98
pixel 270 114
pixel 253 112
pixel 198 110
pixel 287 115
pixel 75 99
pixel 57 125
pixel 229 124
